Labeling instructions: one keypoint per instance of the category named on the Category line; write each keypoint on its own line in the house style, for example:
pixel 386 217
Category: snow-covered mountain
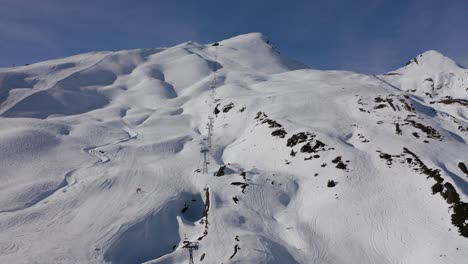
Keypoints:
pixel 101 161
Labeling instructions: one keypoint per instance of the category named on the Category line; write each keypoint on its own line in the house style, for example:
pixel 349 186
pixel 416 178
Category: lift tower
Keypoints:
pixel 190 246
pixel 204 151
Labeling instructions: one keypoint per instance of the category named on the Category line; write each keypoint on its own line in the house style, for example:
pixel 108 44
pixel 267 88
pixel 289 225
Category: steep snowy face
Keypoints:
pixel 431 75
pixel 122 157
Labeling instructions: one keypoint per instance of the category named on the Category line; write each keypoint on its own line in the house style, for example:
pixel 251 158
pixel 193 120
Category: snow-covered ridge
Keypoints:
pixel 100 159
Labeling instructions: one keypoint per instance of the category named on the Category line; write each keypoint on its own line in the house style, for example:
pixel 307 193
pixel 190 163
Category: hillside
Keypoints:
pixel 101 162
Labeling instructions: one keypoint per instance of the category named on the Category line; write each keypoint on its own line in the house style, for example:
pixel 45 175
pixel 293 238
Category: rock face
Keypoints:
pixel 79 135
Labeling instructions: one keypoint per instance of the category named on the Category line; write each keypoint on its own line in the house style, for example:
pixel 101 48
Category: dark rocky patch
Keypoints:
pixel 341 166
pixel 450 194
pixel 437 188
pixel 406 106
pixel 312 145
pixel 339 163
pixel 378 100
pixel 228 107
pixel 299 138
pixel 459 215
pixel 243 185
pixel 204 219
pixel 236 248
pixel 220 171
pixel 429 131
pixel 398 129
pixel 463 168
pixel 389 100
pixel 331 183
pixel 336 160
pixel 463 129
pixel 364 140
pixel 416 162
pixel 307 148
pixel 185 208
pixel 216 110
pixel 263 118
pixel 451 100
pixel 387 157
pixel 281 133
pixel 392 73
pixel 380 106
pixel 415 60
pixel 396 102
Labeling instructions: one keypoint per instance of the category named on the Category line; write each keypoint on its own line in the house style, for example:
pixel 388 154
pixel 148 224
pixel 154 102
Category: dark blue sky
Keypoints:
pixel 370 36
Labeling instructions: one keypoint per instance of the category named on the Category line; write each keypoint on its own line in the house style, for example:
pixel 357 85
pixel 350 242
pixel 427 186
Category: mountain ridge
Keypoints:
pixel 102 159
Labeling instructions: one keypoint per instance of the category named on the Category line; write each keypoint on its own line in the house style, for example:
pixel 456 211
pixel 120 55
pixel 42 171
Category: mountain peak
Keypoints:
pixel 431 74
pixel 433 59
pixel 254 37
pixel 256 51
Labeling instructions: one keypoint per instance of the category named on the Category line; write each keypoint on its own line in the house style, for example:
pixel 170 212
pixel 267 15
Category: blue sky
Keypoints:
pixel 369 36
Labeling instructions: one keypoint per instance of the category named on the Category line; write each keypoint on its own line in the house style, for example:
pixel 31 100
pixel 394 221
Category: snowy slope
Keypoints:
pixel 100 159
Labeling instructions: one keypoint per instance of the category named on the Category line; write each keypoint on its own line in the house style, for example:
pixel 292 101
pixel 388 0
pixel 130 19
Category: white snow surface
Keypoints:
pixel 100 159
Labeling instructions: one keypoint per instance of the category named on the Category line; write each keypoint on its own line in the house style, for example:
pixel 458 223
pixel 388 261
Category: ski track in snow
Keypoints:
pixel 69 180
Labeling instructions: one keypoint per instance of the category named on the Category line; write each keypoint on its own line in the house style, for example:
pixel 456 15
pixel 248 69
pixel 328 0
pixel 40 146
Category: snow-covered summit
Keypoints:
pixel 256 52
pixel 102 159
pixel 433 75
pixel 433 60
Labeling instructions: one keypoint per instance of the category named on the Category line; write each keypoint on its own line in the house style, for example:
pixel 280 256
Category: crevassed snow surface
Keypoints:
pixel 100 159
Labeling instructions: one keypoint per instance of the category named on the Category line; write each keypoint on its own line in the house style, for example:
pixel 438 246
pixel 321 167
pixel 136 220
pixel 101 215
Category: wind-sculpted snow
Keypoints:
pixel 100 159
pixel 157 233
